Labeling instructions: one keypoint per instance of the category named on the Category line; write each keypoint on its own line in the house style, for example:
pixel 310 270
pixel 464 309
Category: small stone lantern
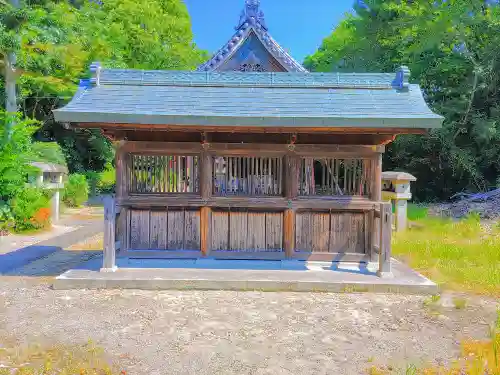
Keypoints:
pixel 50 176
pixel 396 188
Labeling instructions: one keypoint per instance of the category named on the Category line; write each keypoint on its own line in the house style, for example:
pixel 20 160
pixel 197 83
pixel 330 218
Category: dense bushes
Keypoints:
pixel 101 182
pixel 76 190
pixel 31 209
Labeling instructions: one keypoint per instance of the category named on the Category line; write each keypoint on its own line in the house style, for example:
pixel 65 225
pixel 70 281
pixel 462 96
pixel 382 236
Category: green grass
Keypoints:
pixel 59 359
pixel 459 255
pixel 416 212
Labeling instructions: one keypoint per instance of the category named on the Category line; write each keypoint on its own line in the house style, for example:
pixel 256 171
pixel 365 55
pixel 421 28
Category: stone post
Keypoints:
pixel 109 258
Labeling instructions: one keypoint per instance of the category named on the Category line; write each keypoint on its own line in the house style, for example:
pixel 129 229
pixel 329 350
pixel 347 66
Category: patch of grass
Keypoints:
pixel 416 211
pixel 34 360
pixel 477 358
pixel 459 303
pixel 432 300
pixel 459 255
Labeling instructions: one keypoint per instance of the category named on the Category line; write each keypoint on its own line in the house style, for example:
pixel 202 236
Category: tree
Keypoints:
pixel 452 50
pixel 59 40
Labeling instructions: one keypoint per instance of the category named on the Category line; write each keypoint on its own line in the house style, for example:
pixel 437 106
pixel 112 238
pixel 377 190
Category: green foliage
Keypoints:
pixel 31 209
pixel 102 182
pixel 76 190
pixel 15 153
pixel 6 218
pixel 56 41
pixel 452 50
pixel 107 180
pixel 49 152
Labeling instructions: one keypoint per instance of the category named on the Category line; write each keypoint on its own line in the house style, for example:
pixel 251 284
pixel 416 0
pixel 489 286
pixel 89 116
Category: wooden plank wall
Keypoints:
pixel 164 230
pixel 336 232
pixel 247 231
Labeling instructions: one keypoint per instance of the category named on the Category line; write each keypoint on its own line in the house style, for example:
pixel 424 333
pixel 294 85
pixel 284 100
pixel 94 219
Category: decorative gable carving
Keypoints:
pixel 252 42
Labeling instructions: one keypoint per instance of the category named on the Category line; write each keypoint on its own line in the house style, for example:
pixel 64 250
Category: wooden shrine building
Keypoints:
pixel 251 156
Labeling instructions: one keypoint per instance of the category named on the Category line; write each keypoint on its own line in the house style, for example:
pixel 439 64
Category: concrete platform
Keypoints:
pixel 207 274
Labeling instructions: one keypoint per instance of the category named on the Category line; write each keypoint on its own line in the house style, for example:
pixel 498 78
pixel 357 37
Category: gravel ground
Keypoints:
pixel 174 332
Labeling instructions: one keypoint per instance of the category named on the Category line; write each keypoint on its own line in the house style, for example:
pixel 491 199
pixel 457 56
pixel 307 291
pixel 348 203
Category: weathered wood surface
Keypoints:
pixel 385 239
pixel 289 232
pixel 303 231
pixel 192 230
pixel 275 203
pixel 254 129
pixel 247 231
pixel 139 229
pixel 220 230
pixel 336 232
pixel 205 225
pixel 158 230
pixel 174 229
pixel 320 232
pixel 376 196
pixel 109 256
pixel 274 231
pixel 234 148
pixel 256 232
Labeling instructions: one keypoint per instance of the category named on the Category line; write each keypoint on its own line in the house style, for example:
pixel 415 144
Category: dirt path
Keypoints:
pixel 197 332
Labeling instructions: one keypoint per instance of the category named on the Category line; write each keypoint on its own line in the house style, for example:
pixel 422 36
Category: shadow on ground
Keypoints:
pixel 43 261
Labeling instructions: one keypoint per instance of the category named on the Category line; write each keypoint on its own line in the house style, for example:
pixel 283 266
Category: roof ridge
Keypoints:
pixel 247 79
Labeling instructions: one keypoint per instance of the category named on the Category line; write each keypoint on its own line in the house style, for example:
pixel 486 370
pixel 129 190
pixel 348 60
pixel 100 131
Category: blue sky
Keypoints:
pixel 299 26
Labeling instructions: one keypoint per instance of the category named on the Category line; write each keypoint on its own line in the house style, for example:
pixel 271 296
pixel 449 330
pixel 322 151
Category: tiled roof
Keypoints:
pixel 250 99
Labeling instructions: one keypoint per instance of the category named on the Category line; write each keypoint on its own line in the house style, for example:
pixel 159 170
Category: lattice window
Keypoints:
pixel 334 177
pixel 164 174
pixel 247 176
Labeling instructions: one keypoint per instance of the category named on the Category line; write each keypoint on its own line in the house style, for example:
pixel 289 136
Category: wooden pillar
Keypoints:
pixel 206 166
pixel 122 188
pixel 109 258
pixel 291 192
pixel 384 269
pixel 376 195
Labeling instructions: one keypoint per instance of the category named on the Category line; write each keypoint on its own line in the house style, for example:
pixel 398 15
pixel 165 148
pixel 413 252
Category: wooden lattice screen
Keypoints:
pixel 334 177
pixel 247 176
pixel 164 174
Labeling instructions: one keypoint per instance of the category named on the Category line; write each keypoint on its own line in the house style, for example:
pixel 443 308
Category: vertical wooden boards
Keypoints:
pixel 338 233
pixel 246 231
pixel 320 231
pixel 357 233
pixel 220 230
pixel 139 230
pixel 348 232
pixel 158 230
pixel 238 230
pixel 175 231
pixel 303 231
pixel 191 230
pixel 256 231
pixel 274 231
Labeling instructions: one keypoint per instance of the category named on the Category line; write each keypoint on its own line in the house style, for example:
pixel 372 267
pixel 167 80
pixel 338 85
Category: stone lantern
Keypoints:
pixel 50 177
pixel 396 188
